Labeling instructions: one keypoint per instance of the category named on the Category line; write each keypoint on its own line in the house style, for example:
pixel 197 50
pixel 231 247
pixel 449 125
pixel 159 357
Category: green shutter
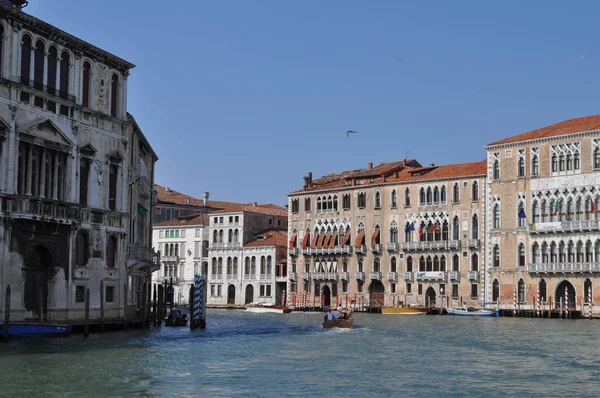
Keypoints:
pixel 142 210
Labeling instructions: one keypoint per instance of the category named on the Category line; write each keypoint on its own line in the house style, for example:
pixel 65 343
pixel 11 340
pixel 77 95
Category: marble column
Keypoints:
pixel 55 182
pixel 32 63
pixel 42 192
pixel 29 167
pixel 45 76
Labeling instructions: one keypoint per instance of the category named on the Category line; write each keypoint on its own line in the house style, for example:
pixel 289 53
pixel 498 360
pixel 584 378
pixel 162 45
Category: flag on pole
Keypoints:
pixel 410 227
pixel 532 227
pixel 421 230
pixel 556 207
pixel 522 214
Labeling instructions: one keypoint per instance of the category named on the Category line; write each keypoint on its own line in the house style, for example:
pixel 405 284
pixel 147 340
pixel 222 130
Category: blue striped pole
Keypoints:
pixel 197 296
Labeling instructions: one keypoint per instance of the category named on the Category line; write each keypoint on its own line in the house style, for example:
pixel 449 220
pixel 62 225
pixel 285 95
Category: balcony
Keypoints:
pixel 566 226
pixel 305 276
pixel 376 248
pixel 232 276
pixel 170 259
pixel 407 276
pixel 145 187
pixel 554 268
pixel 142 258
pixel 250 277
pixel 281 278
pixel 360 249
pixel 293 252
pixel 331 276
pixel 454 276
pixel 433 245
pixel 359 276
pixel 229 245
pixel 318 275
pixel 431 276
pixel 306 251
pixel 473 243
pixel 293 276
pixel 392 246
pixel 473 275
pixel 344 276
pixel 216 277
pixel 392 276
pixel 454 244
pixel 375 275
pixel 44 209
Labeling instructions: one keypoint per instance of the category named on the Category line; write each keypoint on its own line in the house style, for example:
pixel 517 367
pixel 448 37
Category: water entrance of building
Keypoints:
pixel 430 297
pixel 231 294
pixel 559 298
pixel 326 296
pixel 376 294
pixel 249 294
pixel 38 264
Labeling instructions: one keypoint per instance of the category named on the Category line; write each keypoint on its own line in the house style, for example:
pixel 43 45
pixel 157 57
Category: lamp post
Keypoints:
pixel 442 300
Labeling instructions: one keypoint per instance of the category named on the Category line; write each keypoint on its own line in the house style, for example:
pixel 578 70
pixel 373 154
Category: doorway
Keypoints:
pixel 559 300
pixel 376 293
pixel 249 294
pixel 326 296
pixel 231 294
pixel 430 297
pixel 38 264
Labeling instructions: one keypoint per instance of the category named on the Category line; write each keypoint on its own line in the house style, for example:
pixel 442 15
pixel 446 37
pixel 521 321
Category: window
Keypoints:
pixel 495 290
pixel 220 220
pixel 421 197
pixel 496 168
pixel 554 162
pixel 521 291
pixel 443 194
pixel 455 193
pixel 295 205
pixel 521 163
pixel 561 162
pixel 474 290
pixel 474 191
pixel 237 219
pixel 520 213
pixel 408 288
pixel 219 287
pixel 455 263
pixel 393 199
pixel 110 294
pixel 84 173
pixel 409 264
pixel 85 90
pixel 362 202
pixel 306 204
pixel 81 247
pixel 429 196
pixel 65 65
pixel 535 165
pixel 212 290
pixel 377 200
pixel 111 251
pixel 52 62
pixel 112 187
pixel 168 215
pixel 346 201
pixel 1 47
pixel 455 290
pixel 455 228
pixel 80 294
pixel 25 59
pixel 475 227
pixel 496 256
pixel 157 211
pixel 420 289
pixel 114 95
pixel 597 158
pixel 394 232
pixel 496 216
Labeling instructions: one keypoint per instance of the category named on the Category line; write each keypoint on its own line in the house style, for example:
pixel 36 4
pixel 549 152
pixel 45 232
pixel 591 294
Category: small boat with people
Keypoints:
pixel 262 307
pixel 176 318
pixel 338 318
pixel 404 310
pixel 35 329
pixel 472 311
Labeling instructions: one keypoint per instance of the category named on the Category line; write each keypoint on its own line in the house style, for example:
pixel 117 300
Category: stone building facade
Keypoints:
pixel 543 190
pixel 69 188
pixel 397 233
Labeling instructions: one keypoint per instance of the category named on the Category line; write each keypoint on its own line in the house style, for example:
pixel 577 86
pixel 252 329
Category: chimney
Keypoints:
pixel 188 201
pixel 305 183
pixel 205 198
pixel 254 204
pixel 167 189
pixel 370 165
pixel 431 164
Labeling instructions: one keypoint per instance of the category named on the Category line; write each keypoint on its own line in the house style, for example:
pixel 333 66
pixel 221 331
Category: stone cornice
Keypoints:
pixel 63 38
pixel 543 140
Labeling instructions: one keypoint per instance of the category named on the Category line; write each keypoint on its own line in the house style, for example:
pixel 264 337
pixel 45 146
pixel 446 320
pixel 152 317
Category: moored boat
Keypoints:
pixel 176 318
pixel 346 320
pixel 472 311
pixel 404 310
pixel 27 329
pixel 266 308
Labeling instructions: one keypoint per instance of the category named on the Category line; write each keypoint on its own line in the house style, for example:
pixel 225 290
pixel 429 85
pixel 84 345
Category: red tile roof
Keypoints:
pixel 269 238
pixel 445 171
pixel 570 126
pixel 200 219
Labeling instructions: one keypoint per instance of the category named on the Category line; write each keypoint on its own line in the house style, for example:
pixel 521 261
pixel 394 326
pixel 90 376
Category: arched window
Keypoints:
pixel 521 291
pixel 214 266
pixel 409 264
pixel 455 263
pixel 597 158
pixel 335 203
pixel 82 248
pixel 443 194
pixel 445 230
pixel 394 232
pixel 436 263
pixel 495 290
pixel 475 227
pixel 496 256
pixel 263 265
pixel 114 95
pixel 561 162
pixel 393 199
pixel 455 193
pixel 578 210
pixel 220 266
pixel 474 191
pixel 569 161
pixel 65 64
pixel 421 264
pixel 376 265
pixel 215 236
pixel 522 255
pixel 579 252
pixel 429 264
pixel 269 266
pixel 377 200
pixel 85 84
pixel 220 236
pixel 25 59
pixel 247 267
pixel 496 216
pixel 429 196
pixel 561 253
pixel 436 195
pixel 318 203
pixel 38 67
pixel 542 287
pixel 536 253
pixel 588 252
pixel 520 212
pixel 230 236
pixel 554 162
pixel 111 252
pixel 496 170
pixel 393 264
pixel 535 165
pixel 521 167
pixel 229 266
pixel 474 262
pixel 443 264
pixel 52 61
pixel 421 196
pixel 455 228
pixel 236 236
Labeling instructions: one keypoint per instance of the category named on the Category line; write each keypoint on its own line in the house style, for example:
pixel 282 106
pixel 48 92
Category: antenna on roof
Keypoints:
pixel 406 157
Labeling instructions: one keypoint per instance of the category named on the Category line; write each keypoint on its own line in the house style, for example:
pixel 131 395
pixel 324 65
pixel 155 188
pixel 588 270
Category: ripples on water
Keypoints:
pixel 246 354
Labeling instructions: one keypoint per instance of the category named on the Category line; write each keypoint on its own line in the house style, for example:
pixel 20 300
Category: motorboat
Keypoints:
pixel 176 318
pixel 404 310
pixel 35 329
pixel 262 307
pixel 346 320
pixel 472 311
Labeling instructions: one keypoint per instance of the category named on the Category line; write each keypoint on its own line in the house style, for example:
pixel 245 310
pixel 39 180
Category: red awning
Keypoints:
pixel 346 239
pixel 313 245
pixel 332 241
pixel 305 240
pixel 293 240
pixel 359 239
pixel 327 239
pixel 320 241
pixel 374 238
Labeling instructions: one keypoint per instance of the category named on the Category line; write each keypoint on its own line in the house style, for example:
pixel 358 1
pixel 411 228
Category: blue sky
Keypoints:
pixel 243 98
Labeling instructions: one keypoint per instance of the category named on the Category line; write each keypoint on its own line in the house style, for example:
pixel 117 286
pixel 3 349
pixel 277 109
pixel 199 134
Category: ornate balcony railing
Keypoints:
pixel 305 276
pixel 250 276
pixel 407 276
pixel 344 276
pixel 392 276
pixel 473 275
pixel 293 252
pixel 563 267
pixel 432 245
pixel 431 275
pixel 306 251
pixel 360 249
pixel 376 248
pixel 565 226
pixel 375 275
pixel 473 243
pixel 360 276
pixel 454 276
pixel 392 246
pixel 292 276
pixel 44 208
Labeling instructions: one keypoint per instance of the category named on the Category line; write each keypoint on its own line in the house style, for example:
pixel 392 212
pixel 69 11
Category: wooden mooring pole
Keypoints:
pixel 102 306
pixel 161 305
pixel 6 313
pixel 125 307
pixel 155 307
pixel 191 301
pixel 86 326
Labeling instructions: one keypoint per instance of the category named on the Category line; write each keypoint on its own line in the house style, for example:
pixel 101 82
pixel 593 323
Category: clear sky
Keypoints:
pixel 243 98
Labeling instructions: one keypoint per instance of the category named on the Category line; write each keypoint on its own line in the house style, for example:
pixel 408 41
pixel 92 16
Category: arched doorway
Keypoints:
pixel 560 294
pixel 38 264
pixel 249 294
pixel 231 294
pixel 326 296
pixel 430 297
pixel 376 294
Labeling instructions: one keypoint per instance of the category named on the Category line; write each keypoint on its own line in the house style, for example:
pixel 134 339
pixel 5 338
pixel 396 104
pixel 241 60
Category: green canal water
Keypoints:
pixel 273 355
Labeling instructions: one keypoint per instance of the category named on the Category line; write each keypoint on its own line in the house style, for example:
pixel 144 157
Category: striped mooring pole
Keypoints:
pixel 566 302
pixel 283 298
pixel 321 301
pixel 590 300
pixel 515 302
pixel 537 302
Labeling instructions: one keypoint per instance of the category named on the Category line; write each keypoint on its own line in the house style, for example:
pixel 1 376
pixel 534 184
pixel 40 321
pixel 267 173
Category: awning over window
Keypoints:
pixel 332 241
pixel 320 241
pixel 305 240
pixel 374 238
pixel 346 239
pixel 142 210
pixel 326 240
pixel 359 239
pixel 293 240
pixel 313 245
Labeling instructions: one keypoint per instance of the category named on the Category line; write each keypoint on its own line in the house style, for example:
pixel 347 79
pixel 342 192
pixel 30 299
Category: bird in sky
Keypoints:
pixel 398 59
pixel 350 132
pixel 583 56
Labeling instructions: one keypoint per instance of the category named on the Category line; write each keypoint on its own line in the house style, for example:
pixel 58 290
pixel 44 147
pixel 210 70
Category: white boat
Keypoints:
pixel 471 311
pixel 264 307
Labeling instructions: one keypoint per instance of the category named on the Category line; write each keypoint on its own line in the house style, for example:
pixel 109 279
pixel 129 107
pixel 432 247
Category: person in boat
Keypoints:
pixel 336 315
pixel 329 315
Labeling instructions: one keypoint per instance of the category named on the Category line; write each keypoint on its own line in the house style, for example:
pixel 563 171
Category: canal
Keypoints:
pixel 272 355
